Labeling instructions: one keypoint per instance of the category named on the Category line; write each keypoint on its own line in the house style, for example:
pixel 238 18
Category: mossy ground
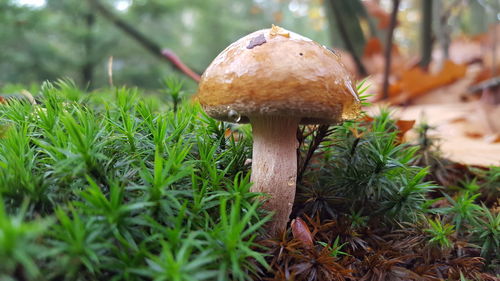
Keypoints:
pixel 118 185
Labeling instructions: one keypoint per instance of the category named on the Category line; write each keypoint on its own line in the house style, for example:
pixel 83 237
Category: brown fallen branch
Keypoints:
pixel 144 41
pixel 174 59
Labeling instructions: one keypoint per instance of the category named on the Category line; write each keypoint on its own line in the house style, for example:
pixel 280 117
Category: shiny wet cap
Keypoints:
pixel 275 72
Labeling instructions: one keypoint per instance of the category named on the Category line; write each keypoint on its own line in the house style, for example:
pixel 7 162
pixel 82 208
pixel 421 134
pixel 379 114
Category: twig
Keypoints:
pixel 321 132
pixel 172 57
pixel 388 48
pixel 29 96
pixel 147 43
pixel 110 71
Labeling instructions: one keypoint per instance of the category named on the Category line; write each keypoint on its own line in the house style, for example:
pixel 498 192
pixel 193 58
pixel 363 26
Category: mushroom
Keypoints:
pixel 276 79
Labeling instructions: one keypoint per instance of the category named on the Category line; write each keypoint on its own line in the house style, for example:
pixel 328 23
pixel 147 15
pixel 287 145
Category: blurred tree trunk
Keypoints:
pixel 443 31
pixel 343 18
pixel 388 48
pixel 478 22
pixel 444 22
pixel 88 66
pixel 426 34
pixel 364 16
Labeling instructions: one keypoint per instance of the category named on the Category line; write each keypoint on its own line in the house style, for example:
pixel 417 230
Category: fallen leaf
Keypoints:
pixel 374 9
pixel 415 81
pixel 373 47
pixel 483 75
pixel 228 133
pixel 474 135
pixel 452 123
pixel 465 50
pixel 404 126
pixel 458 120
pixel 495 138
pixel 301 232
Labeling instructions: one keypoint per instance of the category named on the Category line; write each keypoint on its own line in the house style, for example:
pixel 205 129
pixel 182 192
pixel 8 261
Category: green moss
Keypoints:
pixel 119 185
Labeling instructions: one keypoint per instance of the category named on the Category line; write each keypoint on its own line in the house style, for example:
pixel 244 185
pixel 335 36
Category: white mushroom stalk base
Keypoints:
pixel 274 165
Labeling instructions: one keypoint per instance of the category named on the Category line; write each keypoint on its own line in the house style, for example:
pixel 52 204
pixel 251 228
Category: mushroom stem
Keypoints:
pixel 274 165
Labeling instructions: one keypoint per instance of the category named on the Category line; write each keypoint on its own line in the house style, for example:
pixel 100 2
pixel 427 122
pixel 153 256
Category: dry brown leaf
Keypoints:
pixel 485 74
pixel 453 123
pixel 415 82
pixel 228 133
pixel 301 232
pixel 374 9
pixel 404 126
pixel 465 50
pixel 474 135
pixel 493 138
pixel 373 47
pixel 459 120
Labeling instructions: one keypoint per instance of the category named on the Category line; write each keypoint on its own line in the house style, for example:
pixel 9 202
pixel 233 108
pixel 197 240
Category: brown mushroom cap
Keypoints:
pixel 276 72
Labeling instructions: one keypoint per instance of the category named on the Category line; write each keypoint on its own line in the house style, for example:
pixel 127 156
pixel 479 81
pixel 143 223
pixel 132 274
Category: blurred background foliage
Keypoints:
pixel 49 39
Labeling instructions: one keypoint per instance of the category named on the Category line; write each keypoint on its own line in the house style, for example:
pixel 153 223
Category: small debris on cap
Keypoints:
pixel 276 30
pixel 256 41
